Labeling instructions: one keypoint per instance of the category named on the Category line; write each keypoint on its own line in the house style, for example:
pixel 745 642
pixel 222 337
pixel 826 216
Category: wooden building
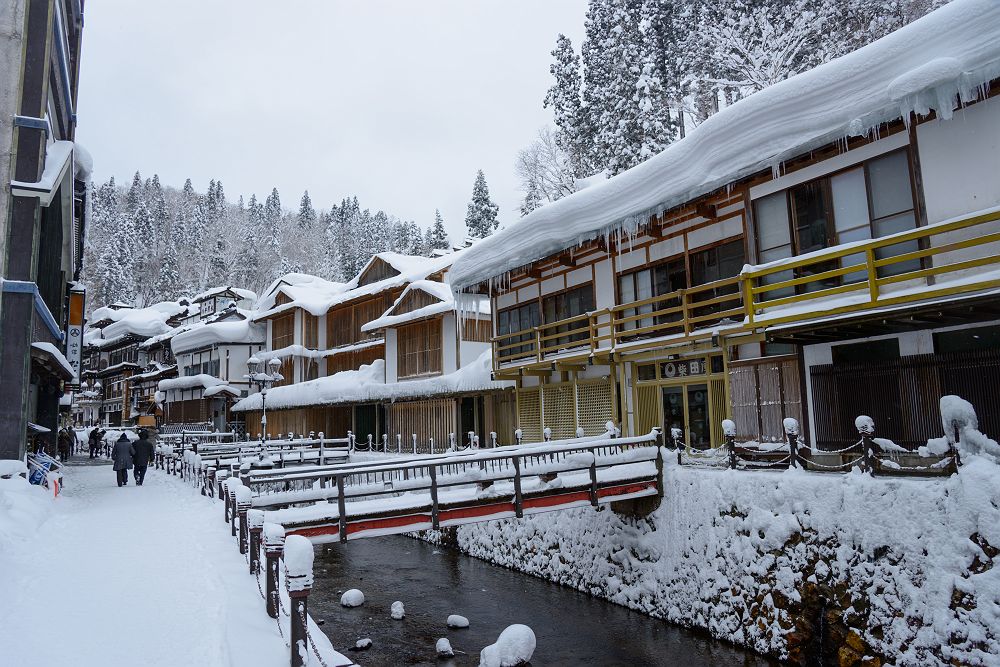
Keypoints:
pixel 763 267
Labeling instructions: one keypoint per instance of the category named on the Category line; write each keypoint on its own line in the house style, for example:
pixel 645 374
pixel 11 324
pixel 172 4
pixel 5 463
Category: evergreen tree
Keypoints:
pixel 574 135
pixel 532 199
pixel 481 216
pixel 307 215
pixel 437 238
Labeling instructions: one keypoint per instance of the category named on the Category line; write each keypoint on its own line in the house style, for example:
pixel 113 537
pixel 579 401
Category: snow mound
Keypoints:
pixel 444 649
pixel 298 558
pixel 397 611
pixel 958 414
pixel 352 598
pixel 456 621
pixel 363 644
pixel 513 647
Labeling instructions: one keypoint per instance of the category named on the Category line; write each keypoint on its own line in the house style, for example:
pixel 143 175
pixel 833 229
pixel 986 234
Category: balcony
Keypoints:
pixel 947 259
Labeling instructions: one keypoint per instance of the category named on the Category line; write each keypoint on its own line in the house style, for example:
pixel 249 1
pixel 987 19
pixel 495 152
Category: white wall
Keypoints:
pixel 960 161
pixel 449 351
pixel 391 371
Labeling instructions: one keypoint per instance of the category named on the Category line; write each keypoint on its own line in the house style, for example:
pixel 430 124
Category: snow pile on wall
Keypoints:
pixel 927 65
pixel 190 381
pixel 225 332
pixel 906 566
pixel 149 321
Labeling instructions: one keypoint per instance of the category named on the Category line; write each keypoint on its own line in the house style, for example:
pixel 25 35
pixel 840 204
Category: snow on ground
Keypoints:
pixel 121 576
pixel 913 562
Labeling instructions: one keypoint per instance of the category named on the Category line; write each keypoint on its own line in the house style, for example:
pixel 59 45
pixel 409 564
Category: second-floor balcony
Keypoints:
pixel 933 263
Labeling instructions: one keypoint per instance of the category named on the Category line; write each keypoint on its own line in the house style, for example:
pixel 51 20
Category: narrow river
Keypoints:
pixel 572 628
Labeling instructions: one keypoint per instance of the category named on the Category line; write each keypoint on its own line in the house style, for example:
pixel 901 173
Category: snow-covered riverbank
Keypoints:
pixel 901 569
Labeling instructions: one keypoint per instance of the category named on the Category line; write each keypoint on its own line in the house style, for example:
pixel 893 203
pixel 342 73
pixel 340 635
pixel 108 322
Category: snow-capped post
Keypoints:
pixel 234 483
pixel 729 435
pixel 452 446
pixel 791 427
pixel 593 478
pixel 414 436
pixel 957 415
pixel 370 443
pixel 547 434
pixel 431 440
pixel 866 429
pixel 322 448
pixel 255 523
pixel 220 478
pixel 518 435
pixel 199 473
pixel 385 443
pixel 243 500
pixel 475 441
pixel 472 439
pixel 274 544
pixel 493 438
pixel 208 488
pixel 350 441
pixel 298 580
pixel 611 429
pixel 341 511
pixel 580 432
pixel 399 443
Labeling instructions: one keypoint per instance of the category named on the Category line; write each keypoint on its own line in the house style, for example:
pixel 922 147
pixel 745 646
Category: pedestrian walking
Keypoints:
pixel 63 444
pixel 122 456
pixel 142 454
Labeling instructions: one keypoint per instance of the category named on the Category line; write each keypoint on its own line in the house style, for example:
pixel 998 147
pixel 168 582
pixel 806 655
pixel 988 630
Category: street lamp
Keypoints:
pixel 263 382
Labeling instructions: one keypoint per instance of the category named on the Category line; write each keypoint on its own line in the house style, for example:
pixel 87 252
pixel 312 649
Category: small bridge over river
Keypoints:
pixel 346 501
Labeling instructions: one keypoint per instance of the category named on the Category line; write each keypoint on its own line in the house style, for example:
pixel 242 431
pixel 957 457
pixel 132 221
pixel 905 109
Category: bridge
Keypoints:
pixel 341 502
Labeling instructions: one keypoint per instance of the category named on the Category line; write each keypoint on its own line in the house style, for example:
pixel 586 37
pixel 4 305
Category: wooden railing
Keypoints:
pixel 871 274
pixel 902 268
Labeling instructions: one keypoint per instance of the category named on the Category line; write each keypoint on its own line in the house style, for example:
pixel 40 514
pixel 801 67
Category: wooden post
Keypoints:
pixel 274 545
pixel 341 510
pixel 299 580
pixel 434 497
pixel 593 479
pixel 243 500
pixel 414 443
pixel 208 488
pixel 953 446
pixel 220 477
pixel 729 434
pixel 518 509
pixel 322 449
pixel 866 429
pixel 233 484
pixel 255 522
pixel 399 443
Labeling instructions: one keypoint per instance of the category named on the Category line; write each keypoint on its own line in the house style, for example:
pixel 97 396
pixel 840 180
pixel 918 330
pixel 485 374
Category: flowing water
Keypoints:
pixel 572 628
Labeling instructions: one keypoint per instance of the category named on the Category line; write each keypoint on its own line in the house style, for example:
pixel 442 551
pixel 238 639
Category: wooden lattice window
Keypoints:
pixel 558 410
pixel 476 331
pixel 594 406
pixel 310 331
pixel 418 349
pixel 283 331
pixel 529 415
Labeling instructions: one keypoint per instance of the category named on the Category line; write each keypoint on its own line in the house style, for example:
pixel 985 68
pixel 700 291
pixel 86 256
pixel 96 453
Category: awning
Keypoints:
pixel 51 359
pixel 35 428
pixel 58 157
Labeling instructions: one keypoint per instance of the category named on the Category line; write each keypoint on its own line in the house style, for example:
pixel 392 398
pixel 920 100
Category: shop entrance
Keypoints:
pixel 686 394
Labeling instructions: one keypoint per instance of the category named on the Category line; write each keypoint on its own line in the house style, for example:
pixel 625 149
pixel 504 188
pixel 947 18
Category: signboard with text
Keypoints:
pixel 74 333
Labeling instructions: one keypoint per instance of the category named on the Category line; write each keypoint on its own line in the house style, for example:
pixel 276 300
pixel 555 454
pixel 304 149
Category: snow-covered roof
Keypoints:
pixel 368 384
pixel 210 333
pixel 157 369
pixel 310 293
pixel 55 354
pixel 223 289
pixel 927 65
pixel 445 303
pixel 190 381
pixel 219 389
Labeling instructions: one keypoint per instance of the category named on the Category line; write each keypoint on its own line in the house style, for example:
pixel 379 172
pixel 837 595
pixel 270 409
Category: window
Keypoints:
pixel 711 265
pixel 476 331
pixel 418 349
pixel 871 200
pixel 646 283
pixel 967 340
pixel 310 331
pixel 577 301
pixel 519 318
pixel 283 331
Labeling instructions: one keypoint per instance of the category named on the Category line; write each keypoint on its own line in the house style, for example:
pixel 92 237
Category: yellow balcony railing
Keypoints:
pixel 938 260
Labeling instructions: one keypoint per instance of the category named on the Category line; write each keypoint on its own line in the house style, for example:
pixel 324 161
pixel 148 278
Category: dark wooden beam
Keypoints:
pixel 707 211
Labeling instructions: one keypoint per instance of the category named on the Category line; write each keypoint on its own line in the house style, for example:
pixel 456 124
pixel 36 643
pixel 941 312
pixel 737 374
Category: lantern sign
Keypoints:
pixel 74 332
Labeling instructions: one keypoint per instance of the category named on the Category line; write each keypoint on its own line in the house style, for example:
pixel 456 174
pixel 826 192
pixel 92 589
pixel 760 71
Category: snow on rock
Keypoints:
pixel 725 543
pixel 443 648
pixel 352 598
pixel 513 647
pixel 456 621
pixel 397 611
pixel 934 63
pixel 363 644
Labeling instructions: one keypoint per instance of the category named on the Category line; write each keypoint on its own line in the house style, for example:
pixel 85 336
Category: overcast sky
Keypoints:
pixel 398 102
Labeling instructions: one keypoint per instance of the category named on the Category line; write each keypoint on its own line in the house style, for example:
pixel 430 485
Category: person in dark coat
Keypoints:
pixel 63 443
pixel 122 456
pixel 94 441
pixel 142 454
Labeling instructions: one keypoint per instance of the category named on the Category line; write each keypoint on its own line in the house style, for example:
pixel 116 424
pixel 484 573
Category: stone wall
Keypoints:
pixel 812 568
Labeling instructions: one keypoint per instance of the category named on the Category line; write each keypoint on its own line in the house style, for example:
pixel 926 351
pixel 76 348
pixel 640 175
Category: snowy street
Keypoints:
pixel 134 575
